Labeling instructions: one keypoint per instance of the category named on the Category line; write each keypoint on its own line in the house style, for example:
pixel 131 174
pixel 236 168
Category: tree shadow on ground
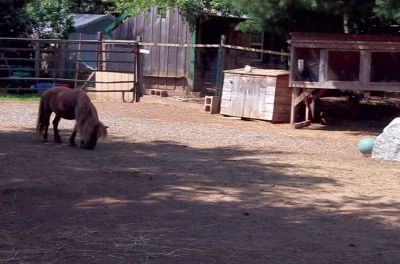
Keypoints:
pixel 164 202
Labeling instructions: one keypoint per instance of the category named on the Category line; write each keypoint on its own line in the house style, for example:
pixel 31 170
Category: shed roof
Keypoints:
pixel 82 20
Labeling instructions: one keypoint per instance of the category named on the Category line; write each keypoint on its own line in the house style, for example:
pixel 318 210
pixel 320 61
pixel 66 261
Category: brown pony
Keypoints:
pixel 70 104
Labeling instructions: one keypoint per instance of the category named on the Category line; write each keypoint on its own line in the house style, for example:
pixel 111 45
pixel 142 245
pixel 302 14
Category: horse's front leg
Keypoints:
pixel 72 138
pixel 57 138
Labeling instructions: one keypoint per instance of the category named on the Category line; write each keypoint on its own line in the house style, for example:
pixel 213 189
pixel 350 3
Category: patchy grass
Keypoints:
pixel 20 97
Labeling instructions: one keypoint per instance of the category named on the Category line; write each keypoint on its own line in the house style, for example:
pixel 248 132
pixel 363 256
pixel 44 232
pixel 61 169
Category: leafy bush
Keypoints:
pixel 50 18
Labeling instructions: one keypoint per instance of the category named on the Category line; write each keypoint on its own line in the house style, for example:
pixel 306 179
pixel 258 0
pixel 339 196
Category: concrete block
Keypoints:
pixel 157 92
pixel 211 104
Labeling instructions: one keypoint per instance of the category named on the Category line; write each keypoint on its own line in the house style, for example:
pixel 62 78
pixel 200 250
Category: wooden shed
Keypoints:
pixel 177 69
pixel 257 93
pixel 341 61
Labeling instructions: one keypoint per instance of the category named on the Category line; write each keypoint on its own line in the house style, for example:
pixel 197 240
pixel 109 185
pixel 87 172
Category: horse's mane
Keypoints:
pixel 86 116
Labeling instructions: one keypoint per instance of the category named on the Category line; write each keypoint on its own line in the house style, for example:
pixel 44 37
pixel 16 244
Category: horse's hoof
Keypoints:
pixel 72 144
pixel 57 141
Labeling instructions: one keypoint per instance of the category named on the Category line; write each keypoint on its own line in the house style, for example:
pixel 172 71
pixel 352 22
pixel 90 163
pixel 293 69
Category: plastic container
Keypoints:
pixel 41 87
pixel 66 85
pixel 21 74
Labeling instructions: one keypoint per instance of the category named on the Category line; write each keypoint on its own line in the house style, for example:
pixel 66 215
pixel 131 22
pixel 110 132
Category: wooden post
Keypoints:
pixel 78 58
pixel 365 69
pixel 137 85
pixel 55 60
pixel 103 66
pixel 99 50
pixel 61 55
pixel 310 106
pixel 312 109
pixel 37 59
pixel 192 74
pixel 220 67
pixel 294 107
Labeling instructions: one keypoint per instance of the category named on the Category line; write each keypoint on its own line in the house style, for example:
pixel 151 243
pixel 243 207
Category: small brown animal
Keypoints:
pixel 72 105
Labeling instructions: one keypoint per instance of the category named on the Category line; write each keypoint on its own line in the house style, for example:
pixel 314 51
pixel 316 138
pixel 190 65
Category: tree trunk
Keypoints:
pixel 346 22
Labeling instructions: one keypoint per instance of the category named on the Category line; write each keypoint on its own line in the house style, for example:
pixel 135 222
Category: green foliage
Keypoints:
pixel 359 14
pixel 388 10
pixel 307 15
pixel 284 16
pixel 24 97
pixel 50 18
pixel 139 6
pixel 92 6
pixel 12 22
pixel 193 8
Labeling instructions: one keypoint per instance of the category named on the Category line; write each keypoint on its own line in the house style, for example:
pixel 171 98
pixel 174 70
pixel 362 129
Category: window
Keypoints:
pixel 306 64
pixel 343 65
pixel 257 42
pixel 385 67
pixel 161 12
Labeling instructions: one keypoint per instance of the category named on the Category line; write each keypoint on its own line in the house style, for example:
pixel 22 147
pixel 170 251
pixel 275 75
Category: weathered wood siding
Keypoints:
pixel 163 64
pixel 264 95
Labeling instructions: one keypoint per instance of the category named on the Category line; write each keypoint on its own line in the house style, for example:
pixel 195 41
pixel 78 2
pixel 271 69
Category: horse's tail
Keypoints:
pixel 41 122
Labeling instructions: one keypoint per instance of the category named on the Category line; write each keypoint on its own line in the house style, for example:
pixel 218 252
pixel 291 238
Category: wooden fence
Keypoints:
pixel 26 64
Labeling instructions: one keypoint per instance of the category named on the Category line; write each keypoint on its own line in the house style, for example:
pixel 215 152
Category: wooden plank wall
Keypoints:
pixel 283 99
pixel 101 84
pixel 256 97
pixel 168 63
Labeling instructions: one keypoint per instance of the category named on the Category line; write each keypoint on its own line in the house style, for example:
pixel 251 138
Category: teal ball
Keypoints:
pixel 365 145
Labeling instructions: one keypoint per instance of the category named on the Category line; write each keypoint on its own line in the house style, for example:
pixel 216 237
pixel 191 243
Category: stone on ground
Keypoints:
pixel 387 144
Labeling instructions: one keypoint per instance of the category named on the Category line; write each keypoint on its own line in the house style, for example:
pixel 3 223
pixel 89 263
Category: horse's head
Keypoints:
pixel 99 131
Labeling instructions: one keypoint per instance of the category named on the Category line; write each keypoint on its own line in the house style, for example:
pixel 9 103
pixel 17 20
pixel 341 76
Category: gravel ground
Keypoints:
pixel 221 190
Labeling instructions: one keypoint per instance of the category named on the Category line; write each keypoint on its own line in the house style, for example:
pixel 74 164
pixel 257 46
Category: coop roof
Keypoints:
pixel 345 41
pixel 258 71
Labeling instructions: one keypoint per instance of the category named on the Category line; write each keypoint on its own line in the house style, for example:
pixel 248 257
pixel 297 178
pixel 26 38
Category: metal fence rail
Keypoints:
pixel 26 64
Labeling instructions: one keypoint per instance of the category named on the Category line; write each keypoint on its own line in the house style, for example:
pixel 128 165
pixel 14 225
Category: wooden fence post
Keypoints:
pixel 37 59
pixel 78 62
pixel 294 106
pixel 220 67
pixel 55 60
pixel 137 84
pixel 99 50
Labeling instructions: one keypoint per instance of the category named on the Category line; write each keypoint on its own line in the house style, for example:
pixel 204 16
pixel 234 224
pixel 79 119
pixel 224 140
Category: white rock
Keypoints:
pixel 387 144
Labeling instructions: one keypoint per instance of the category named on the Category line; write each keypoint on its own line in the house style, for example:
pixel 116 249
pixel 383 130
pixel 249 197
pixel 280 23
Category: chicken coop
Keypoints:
pixel 347 62
pixel 256 94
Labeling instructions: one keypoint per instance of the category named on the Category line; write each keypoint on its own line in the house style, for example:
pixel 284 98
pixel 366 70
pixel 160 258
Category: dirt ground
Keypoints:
pixel 173 184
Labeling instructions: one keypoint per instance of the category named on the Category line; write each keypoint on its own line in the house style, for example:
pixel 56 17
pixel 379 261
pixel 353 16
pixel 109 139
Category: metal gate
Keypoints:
pixel 107 68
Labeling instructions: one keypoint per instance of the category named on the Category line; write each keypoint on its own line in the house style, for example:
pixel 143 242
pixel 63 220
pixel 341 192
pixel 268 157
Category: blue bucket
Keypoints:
pixel 41 87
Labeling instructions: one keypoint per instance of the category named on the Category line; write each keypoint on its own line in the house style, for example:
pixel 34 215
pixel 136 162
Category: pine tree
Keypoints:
pixel 388 10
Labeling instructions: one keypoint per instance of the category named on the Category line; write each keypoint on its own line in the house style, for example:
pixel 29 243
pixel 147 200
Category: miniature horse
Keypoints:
pixel 70 104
